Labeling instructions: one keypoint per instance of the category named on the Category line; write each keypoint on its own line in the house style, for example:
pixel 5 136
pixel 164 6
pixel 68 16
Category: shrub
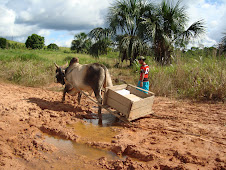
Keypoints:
pixel 195 79
pixel 3 43
pixel 52 47
pixel 35 42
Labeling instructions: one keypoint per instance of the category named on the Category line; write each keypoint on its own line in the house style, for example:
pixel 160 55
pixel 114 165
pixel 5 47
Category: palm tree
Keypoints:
pixel 81 42
pixel 167 29
pixel 124 20
pixel 102 40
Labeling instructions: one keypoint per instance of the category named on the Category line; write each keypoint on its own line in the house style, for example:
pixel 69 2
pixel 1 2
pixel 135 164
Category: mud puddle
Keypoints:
pixel 94 132
pixel 107 120
pixel 67 147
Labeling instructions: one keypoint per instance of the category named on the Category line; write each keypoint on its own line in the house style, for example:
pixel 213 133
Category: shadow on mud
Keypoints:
pixel 79 111
pixel 55 105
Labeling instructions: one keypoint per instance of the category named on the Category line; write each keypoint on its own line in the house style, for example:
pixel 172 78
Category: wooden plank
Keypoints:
pixel 143 103
pixel 133 97
pixel 118 106
pixel 134 117
pixel 141 108
pixel 118 87
pixel 105 96
pixel 140 112
pixel 135 87
pixel 138 92
pixel 113 88
pixel 116 113
pixel 132 106
pixel 119 98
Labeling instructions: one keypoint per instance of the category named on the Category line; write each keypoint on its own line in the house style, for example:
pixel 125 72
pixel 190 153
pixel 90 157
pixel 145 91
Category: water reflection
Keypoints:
pixel 107 120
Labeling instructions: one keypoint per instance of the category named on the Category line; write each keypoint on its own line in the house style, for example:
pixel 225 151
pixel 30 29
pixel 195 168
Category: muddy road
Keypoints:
pixel 37 131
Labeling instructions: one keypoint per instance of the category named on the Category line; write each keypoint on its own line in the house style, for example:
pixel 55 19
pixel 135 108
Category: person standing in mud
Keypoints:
pixel 144 70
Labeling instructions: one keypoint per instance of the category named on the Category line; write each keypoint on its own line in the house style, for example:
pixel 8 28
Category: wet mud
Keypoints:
pixel 38 131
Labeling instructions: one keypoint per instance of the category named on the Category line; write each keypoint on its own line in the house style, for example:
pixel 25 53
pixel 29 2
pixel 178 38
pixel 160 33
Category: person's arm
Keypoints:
pixel 142 79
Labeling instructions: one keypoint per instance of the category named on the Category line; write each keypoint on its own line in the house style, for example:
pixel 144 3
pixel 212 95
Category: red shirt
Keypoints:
pixel 144 69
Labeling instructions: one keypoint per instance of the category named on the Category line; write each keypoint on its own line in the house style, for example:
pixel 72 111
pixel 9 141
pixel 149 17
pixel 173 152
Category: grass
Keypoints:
pixel 191 77
pixel 194 78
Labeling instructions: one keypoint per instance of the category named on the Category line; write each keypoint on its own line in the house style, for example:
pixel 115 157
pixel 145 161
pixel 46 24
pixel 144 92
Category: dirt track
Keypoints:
pixel 180 134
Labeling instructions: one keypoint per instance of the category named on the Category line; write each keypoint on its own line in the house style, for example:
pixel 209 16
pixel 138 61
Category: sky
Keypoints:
pixel 59 20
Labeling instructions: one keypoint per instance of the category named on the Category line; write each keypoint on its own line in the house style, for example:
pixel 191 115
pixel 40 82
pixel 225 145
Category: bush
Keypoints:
pixel 194 79
pixel 52 47
pixel 3 43
pixel 35 42
pixel 16 45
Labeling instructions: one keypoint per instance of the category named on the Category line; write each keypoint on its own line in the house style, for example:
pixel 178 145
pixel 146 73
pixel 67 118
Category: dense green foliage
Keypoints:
pixel 195 74
pixel 189 76
pixel 102 41
pixel 3 43
pixel 35 42
pixel 125 18
pixel 167 29
pixel 81 43
pixel 52 47
pixel 15 45
pixel 140 26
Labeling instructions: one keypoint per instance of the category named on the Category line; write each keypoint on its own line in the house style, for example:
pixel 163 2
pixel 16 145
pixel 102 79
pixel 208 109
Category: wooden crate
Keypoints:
pixel 131 106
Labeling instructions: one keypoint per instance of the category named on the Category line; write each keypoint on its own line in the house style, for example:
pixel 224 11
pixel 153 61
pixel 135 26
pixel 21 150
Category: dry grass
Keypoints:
pixel 195 78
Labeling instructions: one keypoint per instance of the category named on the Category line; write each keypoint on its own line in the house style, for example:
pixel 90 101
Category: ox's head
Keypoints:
pixel 60 74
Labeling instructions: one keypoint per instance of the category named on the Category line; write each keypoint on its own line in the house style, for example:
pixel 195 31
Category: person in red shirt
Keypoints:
pixel 144 70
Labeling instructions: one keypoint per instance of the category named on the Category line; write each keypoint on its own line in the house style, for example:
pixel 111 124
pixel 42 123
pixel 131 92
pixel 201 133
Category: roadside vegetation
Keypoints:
pixel 159 32
pixel 189 76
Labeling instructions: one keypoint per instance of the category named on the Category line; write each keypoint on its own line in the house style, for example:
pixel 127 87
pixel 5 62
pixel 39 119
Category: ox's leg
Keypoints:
pixel 79 97
pixel 66 89
pixel 99 99
pixel 64 93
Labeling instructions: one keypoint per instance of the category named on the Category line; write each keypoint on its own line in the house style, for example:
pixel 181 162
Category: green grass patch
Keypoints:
pixel 192 77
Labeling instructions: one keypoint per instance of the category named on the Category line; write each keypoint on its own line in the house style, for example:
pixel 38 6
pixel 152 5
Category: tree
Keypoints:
pixel 124 18
pixel 3 43
pixel 52 47
pixel 102 41
pixel 223 42
pixel 167 29
pixel 35 42
pixel 81 43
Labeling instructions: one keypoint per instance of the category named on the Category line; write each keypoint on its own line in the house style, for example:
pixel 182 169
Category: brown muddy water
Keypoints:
pixel 67 154
pixel 93 132
pixel 88 130
pixel 67 147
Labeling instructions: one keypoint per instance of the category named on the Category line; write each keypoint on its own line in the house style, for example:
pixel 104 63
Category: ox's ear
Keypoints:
pixel 56 65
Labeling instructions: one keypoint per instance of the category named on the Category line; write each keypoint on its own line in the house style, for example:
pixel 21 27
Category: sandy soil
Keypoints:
pixel 179 135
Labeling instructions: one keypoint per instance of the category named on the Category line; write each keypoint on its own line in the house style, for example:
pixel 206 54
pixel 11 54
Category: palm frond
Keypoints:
pixel 194 30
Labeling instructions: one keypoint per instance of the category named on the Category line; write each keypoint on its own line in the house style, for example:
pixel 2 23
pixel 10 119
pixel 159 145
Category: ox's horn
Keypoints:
pixel 65 65
pixel 56 65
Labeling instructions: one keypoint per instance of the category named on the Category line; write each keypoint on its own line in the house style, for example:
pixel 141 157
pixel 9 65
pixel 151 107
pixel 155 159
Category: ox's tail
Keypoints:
pixel 108 81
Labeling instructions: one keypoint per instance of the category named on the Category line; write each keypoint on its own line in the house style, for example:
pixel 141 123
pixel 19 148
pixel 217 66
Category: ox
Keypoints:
pixel 88 77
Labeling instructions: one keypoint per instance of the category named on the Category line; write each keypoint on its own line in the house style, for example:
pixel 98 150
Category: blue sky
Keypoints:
pixel 59 20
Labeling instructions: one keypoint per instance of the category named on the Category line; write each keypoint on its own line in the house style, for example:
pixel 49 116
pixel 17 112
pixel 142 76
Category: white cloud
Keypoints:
pixel 213 13
pixel 59 20
pixel 7 16
pixel 19 19
pixel 60 14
